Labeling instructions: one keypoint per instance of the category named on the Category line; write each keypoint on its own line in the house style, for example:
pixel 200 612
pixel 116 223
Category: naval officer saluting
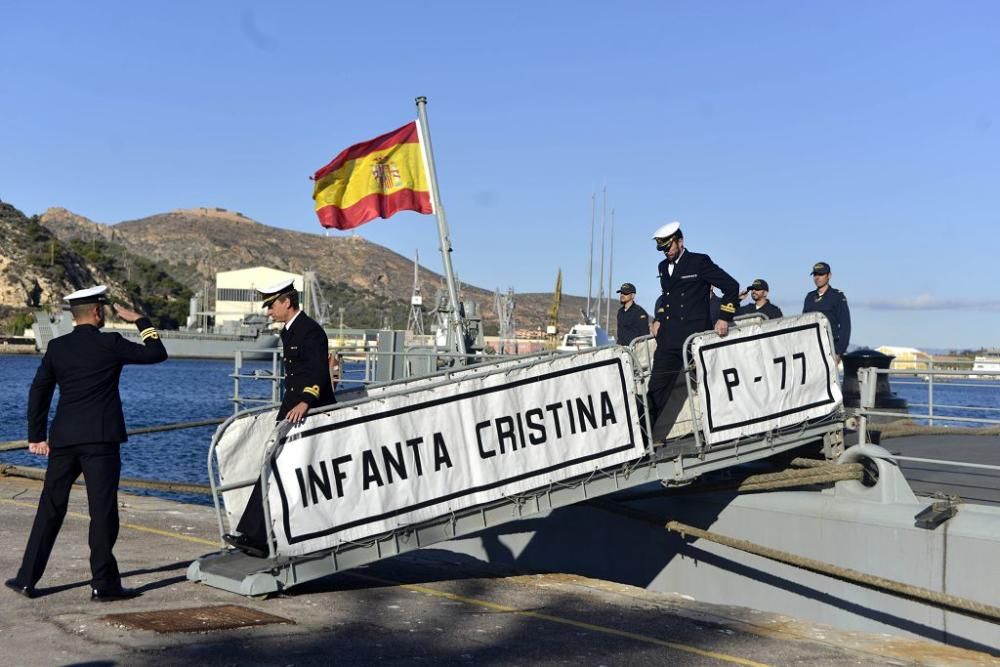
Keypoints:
pixel 85 436
pixel 306 352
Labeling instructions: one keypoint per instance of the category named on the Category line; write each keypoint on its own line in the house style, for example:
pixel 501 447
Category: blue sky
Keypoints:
pixel 780 134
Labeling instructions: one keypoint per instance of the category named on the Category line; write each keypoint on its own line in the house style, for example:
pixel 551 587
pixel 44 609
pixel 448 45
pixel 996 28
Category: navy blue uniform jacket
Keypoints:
pixel 833 304
pixel 769 309
pixel 683 308
pixel 86 364
pixel 306 351
pixel 632 324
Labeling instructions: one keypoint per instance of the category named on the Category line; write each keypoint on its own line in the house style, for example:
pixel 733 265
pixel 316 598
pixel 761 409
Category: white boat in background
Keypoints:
pixel 585 337
pixel 987 362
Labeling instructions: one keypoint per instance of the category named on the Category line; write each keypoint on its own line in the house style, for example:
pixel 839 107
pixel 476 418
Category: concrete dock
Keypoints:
pixel 431 607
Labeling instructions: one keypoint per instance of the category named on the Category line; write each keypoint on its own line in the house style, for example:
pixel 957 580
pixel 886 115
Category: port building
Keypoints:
pixel 236 291
pixel 907 358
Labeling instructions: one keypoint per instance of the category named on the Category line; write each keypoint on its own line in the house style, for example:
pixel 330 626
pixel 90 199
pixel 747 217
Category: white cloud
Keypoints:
pixel 929 302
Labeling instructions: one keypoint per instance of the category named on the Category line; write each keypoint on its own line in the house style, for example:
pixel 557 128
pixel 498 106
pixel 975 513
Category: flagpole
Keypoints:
pixel 442 225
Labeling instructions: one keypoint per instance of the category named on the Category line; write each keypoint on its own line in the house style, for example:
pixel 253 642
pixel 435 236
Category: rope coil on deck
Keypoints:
pixel 951 602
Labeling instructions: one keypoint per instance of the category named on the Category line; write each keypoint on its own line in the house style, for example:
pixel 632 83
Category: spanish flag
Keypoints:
pixel 374 179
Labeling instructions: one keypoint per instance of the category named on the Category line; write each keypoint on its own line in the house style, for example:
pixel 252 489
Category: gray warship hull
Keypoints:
pixel 180 344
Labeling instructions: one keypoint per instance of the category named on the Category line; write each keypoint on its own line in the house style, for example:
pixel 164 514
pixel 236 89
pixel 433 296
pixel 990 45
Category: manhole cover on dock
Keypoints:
pixel 195 619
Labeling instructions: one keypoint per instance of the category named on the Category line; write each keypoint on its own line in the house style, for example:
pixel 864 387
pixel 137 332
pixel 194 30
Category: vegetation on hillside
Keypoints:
pixel 150 287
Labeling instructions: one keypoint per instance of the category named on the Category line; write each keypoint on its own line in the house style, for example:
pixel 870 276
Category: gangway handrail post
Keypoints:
pixel 695 414
pixel 273 446
pixel 637 381
pixel 930 392
pixel 237 371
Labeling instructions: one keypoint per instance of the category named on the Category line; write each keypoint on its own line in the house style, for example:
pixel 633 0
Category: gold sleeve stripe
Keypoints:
pixel 147 330
pixel 312 391
pixel 727 308
pixel 155 335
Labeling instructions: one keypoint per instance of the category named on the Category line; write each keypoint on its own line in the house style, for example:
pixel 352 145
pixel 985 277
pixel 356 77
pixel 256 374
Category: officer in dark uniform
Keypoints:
pixel 306 354
pixel 86 434
pixel 831 302
pixel 686 279
pixel 633 321
pixel 758 292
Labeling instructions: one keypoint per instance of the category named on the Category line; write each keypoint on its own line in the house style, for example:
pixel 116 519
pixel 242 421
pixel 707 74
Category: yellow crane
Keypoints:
pixel 552 330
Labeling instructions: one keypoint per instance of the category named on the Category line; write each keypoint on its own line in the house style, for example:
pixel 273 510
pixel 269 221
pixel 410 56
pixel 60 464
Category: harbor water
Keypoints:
pixel 181 390
pixel 178 390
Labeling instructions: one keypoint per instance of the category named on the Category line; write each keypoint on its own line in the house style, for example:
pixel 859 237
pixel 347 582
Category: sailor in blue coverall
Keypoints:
pixel 831 302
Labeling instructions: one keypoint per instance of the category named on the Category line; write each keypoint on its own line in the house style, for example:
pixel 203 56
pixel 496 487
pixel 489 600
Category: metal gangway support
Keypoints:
pixel 429 459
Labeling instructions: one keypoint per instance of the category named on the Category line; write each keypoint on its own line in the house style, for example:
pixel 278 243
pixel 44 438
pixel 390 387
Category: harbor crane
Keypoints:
pixel 552 329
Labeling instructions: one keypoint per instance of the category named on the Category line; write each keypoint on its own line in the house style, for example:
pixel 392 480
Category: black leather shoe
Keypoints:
pixel 26 591
pixel 120 593
pixel 243 544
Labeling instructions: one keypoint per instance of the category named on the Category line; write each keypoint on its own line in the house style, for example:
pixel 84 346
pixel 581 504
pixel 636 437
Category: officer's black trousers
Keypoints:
pixel 101 465
pixel 251 524
pixel 667 365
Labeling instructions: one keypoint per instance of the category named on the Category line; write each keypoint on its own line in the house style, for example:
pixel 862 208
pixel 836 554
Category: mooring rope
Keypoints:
pixel 8 470
pixel 13 445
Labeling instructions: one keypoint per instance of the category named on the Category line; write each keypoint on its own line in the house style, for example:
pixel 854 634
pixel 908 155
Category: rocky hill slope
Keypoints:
pixel 194 244
pixel 36 267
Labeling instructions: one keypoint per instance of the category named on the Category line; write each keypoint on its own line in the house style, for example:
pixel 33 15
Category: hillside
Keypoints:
pixel 36 268
pixel 194 244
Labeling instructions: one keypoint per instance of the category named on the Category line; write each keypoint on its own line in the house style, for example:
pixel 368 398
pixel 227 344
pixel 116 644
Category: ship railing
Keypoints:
pixel 868 380
pixel 352 367
pixel 928 374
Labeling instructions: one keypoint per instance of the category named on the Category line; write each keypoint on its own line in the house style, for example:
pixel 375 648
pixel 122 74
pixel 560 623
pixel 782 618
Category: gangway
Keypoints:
pixel 425 460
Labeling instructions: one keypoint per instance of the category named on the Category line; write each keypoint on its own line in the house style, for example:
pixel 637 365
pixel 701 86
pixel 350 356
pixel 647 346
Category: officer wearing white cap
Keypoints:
pixel 306 355
pixel 831 302
pixel 633 321
pixel 85 436
pixel 758 290
pixel 686 279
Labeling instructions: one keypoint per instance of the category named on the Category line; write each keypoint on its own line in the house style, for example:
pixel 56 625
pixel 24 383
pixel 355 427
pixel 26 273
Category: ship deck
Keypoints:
pixel 428 606
pixel 972 485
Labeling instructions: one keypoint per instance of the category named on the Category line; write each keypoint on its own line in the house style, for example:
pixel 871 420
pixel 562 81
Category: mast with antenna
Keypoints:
pixel 600 281
pixel 415 322
pixel 611 266
pixel 590 266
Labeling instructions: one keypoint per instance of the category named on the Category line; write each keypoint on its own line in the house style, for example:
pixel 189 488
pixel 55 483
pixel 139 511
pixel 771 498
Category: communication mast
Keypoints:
pixel 415 322
pixel 313 301
pixel 507 343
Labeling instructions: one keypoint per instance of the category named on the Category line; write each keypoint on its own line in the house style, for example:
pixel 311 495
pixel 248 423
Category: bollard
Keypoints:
pixel 866 358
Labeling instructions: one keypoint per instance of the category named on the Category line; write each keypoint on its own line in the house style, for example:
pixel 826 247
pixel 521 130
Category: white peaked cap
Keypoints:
pixel 277 288
pixel 270 294
pixel 94 294
pixel 667 230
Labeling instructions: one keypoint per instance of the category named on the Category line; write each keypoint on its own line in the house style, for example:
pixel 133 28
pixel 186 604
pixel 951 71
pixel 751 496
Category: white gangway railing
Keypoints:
pixel 431 458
